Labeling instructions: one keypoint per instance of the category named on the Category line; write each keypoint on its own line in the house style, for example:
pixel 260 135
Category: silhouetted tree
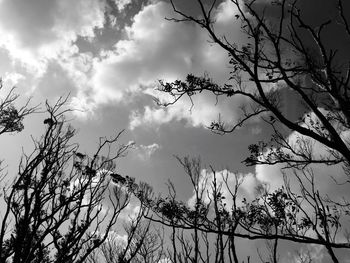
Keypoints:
pixel 11 116
pixel 60 207
pixel 140 241
pixel 282 53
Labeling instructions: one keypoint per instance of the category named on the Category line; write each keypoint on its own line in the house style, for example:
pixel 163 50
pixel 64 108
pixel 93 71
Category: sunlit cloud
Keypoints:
pixel 46 30
pixel 121 4
pixel 152 49
pixel 12 78
pixel 155 49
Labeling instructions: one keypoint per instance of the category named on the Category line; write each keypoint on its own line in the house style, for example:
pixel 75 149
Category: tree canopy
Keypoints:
pixel 284 52
pixel 64 206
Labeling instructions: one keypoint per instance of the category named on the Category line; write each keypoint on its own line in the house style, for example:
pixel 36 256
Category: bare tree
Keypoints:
pixel 143 243
pixel 12 116
pixel 140 241
pixel 282 53
pixel 60 206
pixel 264 62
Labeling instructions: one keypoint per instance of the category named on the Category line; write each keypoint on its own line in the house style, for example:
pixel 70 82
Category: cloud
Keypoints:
pixel 324 174
pixel 131 212
pixel 227 181
pixel 43 39
pixel 309 253
pixel 153 49
pixel 173 55
pixel 330 181
pixel 121 4
pixel 201 110
pixel 116 241
pixel 204 58
pixel 11 79
pixel 144 152
pixel 46 30
pixel 78 184
pixel 165 260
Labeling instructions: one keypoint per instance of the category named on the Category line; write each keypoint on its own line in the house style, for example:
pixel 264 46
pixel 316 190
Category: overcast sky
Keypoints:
pixel 109 55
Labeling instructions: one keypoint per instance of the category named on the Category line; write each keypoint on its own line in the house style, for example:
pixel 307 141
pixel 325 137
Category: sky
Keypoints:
pixel 108 56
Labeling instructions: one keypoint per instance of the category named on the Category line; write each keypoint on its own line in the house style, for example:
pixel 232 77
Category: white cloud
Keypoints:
pixel 323 176
pixel 165 260
pixel 209 58
pixel 144 152
pixel 227 181
pixel 202 112
pixel 121 4
pixel 154 49
pixel 227 23
pixel 47 29
pixel 11 79
pixel 130 212
pixel 272 174
pixel 95 182
pixel 116 240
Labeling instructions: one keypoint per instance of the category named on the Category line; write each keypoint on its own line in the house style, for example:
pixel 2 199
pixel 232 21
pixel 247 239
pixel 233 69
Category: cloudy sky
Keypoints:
pixel 109 55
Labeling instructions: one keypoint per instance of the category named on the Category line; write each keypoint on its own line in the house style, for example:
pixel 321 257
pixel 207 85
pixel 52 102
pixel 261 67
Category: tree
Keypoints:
pixel 282 53
pixel 11 117
pixel 61 205
pixel 142 243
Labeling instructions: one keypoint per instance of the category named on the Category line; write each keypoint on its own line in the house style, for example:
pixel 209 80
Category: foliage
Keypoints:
pixel 282 53
pixel 60 207
pixel 11 117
